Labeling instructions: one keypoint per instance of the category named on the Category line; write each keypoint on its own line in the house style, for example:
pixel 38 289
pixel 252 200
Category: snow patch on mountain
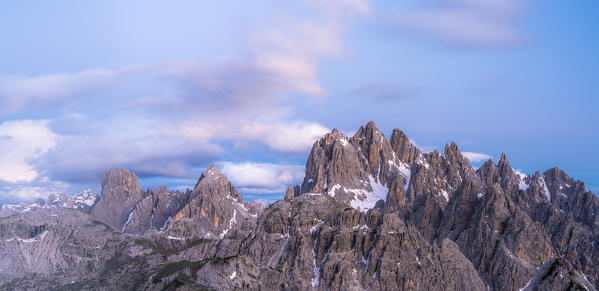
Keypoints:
pixel 545 189
pixel 233 220
pixel 523 185
pixel 365 200
pixel 86 197
pixel 128 220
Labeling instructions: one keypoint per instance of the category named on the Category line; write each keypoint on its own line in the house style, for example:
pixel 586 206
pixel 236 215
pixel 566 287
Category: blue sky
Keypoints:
pixel 166 89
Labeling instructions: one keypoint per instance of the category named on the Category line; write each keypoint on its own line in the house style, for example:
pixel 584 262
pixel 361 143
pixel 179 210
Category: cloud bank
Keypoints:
pixel 292 137
pixel 262 177
pixel 193 112
pixel 21 144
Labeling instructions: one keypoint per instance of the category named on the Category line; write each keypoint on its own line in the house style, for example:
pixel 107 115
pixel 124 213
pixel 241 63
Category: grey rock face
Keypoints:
pixel 403 147
pixel 320 244
pixel 290 193
pixel 120 192
pixel 214 208
pixel 155 211
pixel 356 171
pixel 458 271
pixel 503 174
pixel 51 247
pixel 439 176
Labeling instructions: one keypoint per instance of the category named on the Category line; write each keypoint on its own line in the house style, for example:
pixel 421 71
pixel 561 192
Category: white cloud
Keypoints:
pixel 85 157
pixel 262 177
pixel 240 101
pixel 22 142
pixel 282 63
pixel 472 22
pixel 476 157
pixel 296 136
pixel 17 92
pixel 291 136
pixel 293 50
pixel 41 187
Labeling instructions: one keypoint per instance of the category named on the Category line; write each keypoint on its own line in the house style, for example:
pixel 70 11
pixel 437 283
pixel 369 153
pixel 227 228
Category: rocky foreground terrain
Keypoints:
pixel 371 214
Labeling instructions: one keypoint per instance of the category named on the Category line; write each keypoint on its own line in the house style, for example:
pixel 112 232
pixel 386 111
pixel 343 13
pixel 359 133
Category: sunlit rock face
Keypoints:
pixel 120 192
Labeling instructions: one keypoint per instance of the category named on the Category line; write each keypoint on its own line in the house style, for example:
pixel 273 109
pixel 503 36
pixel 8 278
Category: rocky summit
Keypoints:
pixel 372 213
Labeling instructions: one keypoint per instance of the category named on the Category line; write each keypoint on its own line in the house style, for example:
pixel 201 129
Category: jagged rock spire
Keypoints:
pixel 155 211
pixel 356 171
pixel 292 192
pixel 214 182
pixel 214 208
pixel 487 172
pixel 501 173
pixel 377 151
pixel 403 147
pixel 120 192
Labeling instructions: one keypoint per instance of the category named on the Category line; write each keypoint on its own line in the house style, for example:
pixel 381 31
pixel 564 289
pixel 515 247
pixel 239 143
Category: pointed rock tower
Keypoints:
pixel 356 171
pixel 214 209
pixel 120 192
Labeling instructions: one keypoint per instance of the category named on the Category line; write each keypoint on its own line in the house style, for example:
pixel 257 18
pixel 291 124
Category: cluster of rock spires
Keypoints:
pixel 371 213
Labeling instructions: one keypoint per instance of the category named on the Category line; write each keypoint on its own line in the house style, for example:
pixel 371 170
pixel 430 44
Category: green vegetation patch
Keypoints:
pixel 175 267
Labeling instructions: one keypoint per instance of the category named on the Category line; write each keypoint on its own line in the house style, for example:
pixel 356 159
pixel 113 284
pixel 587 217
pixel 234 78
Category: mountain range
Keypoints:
pixel 372 213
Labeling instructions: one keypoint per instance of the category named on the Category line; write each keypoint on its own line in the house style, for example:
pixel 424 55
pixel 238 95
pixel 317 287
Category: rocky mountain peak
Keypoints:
pixel 451 149
pixel 562 189
pixel 332 137
pixel 357 172
pixel 160 190
pixel 503 159
pixel 84 200
pixel 120 192
pixel 381 161
pixel 371 125
pixel 212 170
pixel 502 173
pixel 406 151
pixel 213 208
pixel 507 176
pixel 119 178
pixel 214 183
pixel 371 133
pixel 556 174
pixel 452 153
pixel 487 172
